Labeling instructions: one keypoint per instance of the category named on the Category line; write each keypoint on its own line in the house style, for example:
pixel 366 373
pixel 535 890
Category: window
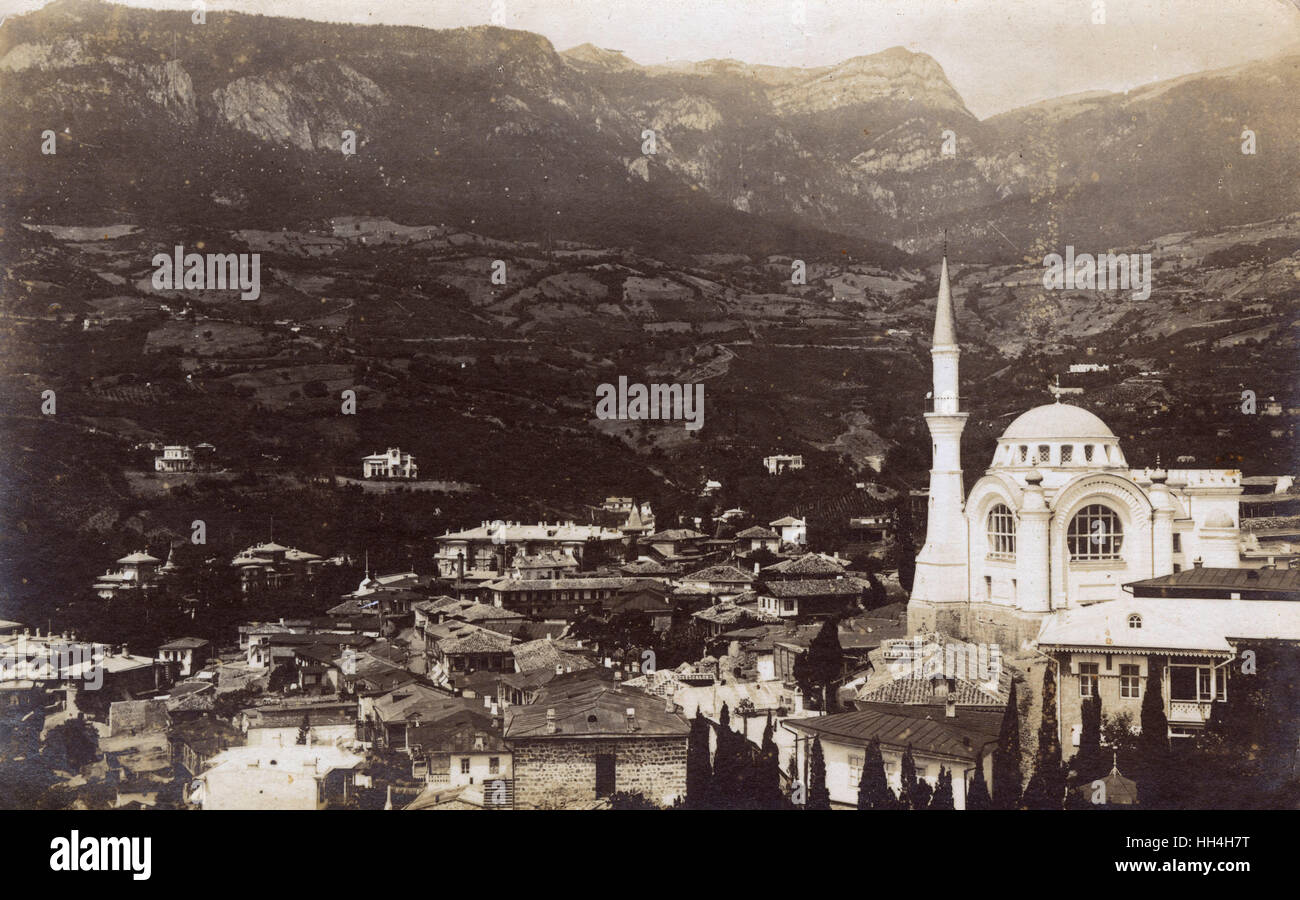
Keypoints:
pixel 494 765
pixel 1067 453
pixel 1178 542
pixel 1129 686
pixel 1135 621
pixel 855 770
pixel 1024 453
pixel 789 606
pixel 1002 532
pixel 1087 679
pixel 1087 452
pixel 1095 533
pixel 988 587
pixel 464 765
pixel 1044 454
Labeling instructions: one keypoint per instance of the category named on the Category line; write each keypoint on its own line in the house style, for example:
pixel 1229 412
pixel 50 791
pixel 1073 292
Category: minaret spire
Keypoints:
pixel 945 332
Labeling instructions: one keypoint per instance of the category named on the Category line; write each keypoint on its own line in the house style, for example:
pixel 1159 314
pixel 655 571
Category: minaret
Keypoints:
pixel 941 567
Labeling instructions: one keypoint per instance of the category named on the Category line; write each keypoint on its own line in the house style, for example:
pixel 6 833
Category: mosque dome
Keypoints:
pixel 1058 436
pixel 1057 422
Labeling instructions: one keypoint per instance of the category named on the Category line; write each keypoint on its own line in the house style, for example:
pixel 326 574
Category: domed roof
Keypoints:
pixel 1057 421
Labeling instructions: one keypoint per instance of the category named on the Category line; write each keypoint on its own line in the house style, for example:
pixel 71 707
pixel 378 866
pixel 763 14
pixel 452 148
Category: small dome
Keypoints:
pixel 1057 421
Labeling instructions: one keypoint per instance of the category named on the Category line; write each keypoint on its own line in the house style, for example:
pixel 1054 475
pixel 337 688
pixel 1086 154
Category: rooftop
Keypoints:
pixel 593 709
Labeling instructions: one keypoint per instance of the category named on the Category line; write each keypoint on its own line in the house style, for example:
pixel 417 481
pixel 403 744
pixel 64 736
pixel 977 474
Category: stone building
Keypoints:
pixel 586 740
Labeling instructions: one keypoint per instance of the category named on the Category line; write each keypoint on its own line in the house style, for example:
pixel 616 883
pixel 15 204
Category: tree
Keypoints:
pixel 699 770
pixel 1090 763
pixel 1153 741
pixel 304 730
pixel 873 788
pixel 818 796
pixel 978 795
pixel 817 670
pixel 728 790
pixel 903 549
pixel 1046 788
pixel 942 798
pixel 765 783
pixel 1007 777
pixel 909 786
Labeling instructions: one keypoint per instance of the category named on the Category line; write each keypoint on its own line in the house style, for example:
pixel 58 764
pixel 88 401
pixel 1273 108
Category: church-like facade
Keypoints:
pixel 1058 519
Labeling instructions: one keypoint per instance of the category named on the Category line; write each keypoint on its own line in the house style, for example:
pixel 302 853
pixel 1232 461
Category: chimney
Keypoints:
pixel 487 702
pixel 631 718
pixel 1196 563
pixel 550 721
pixel 559 669
pixel 755 568
pixel 950 707
pixel 669 705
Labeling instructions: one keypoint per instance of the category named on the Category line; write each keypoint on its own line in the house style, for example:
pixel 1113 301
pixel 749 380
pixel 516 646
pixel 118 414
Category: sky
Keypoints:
pixel 998 54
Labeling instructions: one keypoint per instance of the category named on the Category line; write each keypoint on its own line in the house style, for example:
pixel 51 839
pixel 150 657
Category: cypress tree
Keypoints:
pixel 818 796
pixel 942 798
pixel 978 795
pixel 1089 763
pixel 304 730
pixel 1153 741
pixel 817 670
pixel 908 789
pixel 873 787
pixel 1046 789
pixel 1007 777
pixel 699 770
pixel 767 771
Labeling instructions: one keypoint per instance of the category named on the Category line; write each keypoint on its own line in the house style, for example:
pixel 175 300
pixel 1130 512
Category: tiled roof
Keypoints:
pixel 808 564
pixel 723 574
pixel 1227 580
pixel 675 534
pixel 545 653
pixel 418 699
pixel 812 587
pixel 185 643
pixel 480 640
pixel 926 729
pixel 758 531
pixel 557 584
pixel 594 709
pixel 786 522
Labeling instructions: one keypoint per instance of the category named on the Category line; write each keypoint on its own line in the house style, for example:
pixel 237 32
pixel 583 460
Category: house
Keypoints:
pixel 782 462
pixel 757 538
pixel 391 464
pixel 465 748
pixel 136 572
pixel 810 598
pixel 273 777
pixel 946 736
pixel 555 597
pixel 278 723
pixel 1188 624
pixel 586 740
pixel 492 543
pixel 546 564
pixel 270 566
pixel 175 458
pixel 722 582
pixel 397 719
pixel 187 654
pixel 645 599
pixel 674 544
pixel 793 530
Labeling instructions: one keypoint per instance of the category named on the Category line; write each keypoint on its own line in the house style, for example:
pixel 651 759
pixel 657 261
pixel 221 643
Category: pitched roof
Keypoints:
pixel 675 534
pixel 787 522
pixel 1190 625
pixel 808 564
pixel 724 574
pixel 927 729
pixel 479 640
pixel 185 643
pixel 758 531
pixel 1241 581
pixel 547 654
pixel 594 709
pixel 813 587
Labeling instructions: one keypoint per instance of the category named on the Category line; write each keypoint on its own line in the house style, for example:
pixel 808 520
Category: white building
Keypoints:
pixel 1058 520
pixel 275 777
pixel 793 530
pixel 175 458
pixel 495 544
pixel 392 464
pixel 783 462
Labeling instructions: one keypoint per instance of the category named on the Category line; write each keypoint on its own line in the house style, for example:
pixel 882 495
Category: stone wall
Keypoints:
pixel 555 771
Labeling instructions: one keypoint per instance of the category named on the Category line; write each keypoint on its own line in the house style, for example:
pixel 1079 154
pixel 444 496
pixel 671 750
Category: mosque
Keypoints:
pixel 1058 520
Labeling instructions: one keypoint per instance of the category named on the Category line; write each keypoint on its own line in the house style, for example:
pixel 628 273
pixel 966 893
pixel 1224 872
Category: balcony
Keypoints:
pixel 961 404
pixel 1189 712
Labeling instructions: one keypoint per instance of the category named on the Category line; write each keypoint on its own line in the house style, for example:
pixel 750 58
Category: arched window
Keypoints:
pixel 1135 621
pixel 1002 532
pixel 1095 533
